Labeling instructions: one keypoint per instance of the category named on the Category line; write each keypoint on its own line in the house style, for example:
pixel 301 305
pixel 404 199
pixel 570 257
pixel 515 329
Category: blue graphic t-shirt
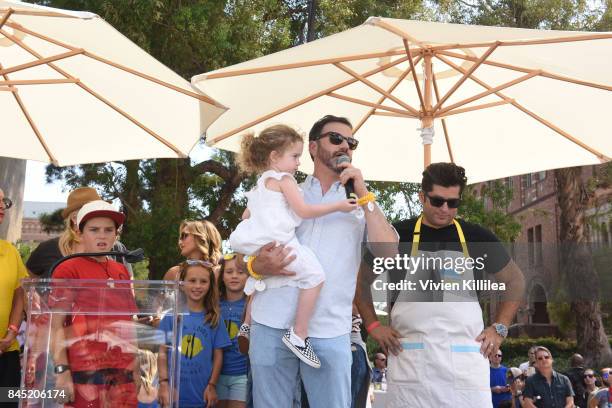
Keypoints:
pixel 234 363
pixel 198 341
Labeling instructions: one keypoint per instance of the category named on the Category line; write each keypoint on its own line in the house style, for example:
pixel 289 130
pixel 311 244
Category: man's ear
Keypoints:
pixel 312 149
pixel 422 197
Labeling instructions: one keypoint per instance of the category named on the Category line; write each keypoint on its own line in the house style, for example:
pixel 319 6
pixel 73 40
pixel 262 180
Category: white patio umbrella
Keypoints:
pixel 75 90
pixel 502 101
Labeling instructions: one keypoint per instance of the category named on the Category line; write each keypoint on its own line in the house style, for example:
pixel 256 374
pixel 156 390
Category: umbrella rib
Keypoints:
pixel 25 112
pixel 303 64
pixel 118 66
pixel 39 13
pixel 99 97
pixel 414 74
pixel 476 107
pixel 527 70
pixel 6 16
pixel 392 114
pixel 377 88
pixel 393 29
pixel 587 37
pixel 446 136
pixel 382 98
pixel 370 104
pixel 465 76
pixel 520 107
pixel 40 61
pixel 40 81
pixel 481 95
pixel 304 100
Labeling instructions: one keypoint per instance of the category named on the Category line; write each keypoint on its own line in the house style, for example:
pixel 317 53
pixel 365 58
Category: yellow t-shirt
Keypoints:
pixel 12 271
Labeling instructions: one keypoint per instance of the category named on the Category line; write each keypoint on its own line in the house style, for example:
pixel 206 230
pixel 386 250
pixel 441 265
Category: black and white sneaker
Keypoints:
pixel 244 334
pixel 306 353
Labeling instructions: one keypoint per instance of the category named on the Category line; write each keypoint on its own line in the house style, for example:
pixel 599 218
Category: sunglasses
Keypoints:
pixel 336 138
pixel 382 359
pixel 184 236
pixel 544 358
pixel 193 262
pixel 439 201
pixel 589 375
pixel 498 355
pixel 7 203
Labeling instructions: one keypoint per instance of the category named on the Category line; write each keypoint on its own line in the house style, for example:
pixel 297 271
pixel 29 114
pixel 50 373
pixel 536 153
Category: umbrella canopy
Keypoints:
pixel 75 90
pixel 502 101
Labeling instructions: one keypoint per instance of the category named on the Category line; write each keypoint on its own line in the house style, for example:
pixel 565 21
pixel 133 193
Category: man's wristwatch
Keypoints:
pixel 60 368
pixel 500 329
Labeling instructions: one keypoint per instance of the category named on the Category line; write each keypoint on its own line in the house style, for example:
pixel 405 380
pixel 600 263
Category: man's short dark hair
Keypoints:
pixel 315 131
pixel 445 175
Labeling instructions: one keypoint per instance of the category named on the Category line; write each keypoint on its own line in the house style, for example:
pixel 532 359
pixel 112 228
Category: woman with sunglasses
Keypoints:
pixel 11 307
pixel 197 240
pixel 589 384
pixel 602 398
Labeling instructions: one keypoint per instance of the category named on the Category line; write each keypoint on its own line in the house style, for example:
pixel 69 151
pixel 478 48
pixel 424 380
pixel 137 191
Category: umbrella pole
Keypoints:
pixel 427 129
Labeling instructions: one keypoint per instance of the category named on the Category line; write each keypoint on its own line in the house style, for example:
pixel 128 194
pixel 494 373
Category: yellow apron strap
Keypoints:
pixel 461 238
pixel 416 237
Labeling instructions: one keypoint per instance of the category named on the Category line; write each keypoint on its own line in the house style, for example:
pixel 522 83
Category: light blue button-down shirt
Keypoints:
pixel 336 240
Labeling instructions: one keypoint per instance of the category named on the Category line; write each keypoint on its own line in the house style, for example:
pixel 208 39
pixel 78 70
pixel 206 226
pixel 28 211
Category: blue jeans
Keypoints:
pixel 359 373
pixel 276 371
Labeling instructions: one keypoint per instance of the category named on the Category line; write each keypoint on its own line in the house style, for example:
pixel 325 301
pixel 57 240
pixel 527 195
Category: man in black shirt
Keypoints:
pixel 576 377
pixel 440 333
pixel 547 388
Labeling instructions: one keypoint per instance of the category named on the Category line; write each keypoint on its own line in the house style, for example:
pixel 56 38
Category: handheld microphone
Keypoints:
pixel 349 187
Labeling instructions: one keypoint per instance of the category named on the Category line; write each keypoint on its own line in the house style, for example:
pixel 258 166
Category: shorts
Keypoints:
pixel 232 388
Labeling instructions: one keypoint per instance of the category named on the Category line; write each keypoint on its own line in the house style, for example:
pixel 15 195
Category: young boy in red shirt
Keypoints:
pixel 94 350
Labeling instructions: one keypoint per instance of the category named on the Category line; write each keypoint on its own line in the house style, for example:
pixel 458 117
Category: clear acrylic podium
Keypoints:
pixel 106 330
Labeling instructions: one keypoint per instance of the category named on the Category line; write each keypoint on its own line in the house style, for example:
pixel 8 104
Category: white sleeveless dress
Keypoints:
pixel 272 219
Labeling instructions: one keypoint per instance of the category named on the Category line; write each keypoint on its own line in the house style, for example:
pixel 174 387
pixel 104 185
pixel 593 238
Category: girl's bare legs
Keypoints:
pixel 305 308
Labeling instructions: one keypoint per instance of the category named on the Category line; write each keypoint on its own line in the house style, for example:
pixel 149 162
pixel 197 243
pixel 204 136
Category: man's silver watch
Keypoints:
pixel 500 329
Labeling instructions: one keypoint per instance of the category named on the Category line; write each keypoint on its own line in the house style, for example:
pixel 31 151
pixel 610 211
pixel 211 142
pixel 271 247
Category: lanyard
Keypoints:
pixel 416 237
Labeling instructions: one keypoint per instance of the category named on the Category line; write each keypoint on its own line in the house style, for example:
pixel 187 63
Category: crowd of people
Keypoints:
pixel 278 322
pixel 535 383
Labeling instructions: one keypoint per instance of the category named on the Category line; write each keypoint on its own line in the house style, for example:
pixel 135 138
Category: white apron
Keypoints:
pixel 441 364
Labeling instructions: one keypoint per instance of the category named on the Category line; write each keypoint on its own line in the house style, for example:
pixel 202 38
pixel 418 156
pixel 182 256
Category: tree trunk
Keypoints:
pixel 576 263
pixel 12 182
pixel 169 204
pixel 312 13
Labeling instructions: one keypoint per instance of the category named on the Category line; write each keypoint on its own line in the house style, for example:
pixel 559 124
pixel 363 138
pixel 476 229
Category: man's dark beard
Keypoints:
pixel 329 159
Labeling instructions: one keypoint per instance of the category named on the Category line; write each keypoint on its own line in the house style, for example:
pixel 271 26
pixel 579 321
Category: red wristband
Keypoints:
pixel 372 326
pixel 13 328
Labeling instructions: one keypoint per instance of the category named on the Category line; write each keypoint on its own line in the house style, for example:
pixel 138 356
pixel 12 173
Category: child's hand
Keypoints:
pixel 164 394
pixel 210 395
pixel 347 205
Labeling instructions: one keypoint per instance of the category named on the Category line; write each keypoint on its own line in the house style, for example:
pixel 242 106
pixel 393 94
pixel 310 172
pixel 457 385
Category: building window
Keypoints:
pixel 538 245
pixel 530 248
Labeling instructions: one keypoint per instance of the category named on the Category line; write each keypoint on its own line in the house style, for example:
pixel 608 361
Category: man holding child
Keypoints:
pixel 336 240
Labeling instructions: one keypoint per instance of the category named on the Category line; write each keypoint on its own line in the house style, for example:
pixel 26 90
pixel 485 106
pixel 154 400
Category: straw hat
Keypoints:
pixel 77 198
